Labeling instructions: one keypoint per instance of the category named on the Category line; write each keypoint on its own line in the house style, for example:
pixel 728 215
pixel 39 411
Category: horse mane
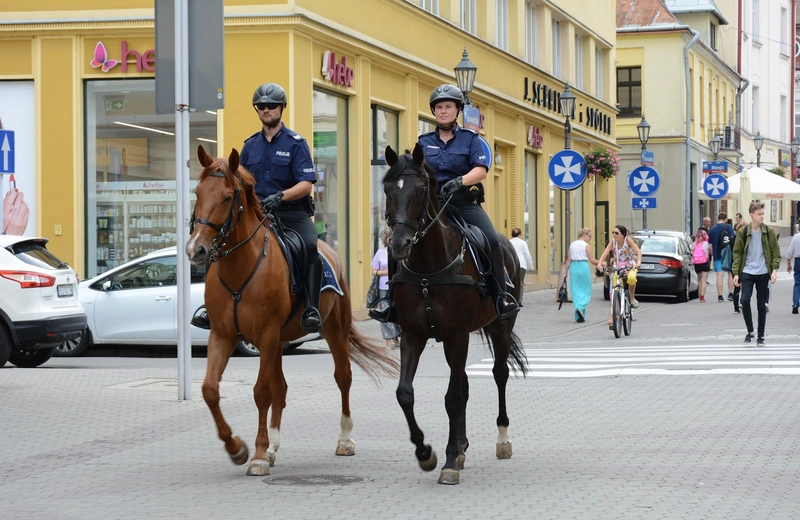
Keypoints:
pixel 405 163
pixel 242 177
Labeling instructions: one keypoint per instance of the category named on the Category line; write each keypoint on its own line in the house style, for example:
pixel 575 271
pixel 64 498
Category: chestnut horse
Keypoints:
pixel 248 292
pixel 437 294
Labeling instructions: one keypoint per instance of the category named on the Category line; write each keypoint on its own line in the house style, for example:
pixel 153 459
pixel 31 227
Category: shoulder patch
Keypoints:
pixel 297 137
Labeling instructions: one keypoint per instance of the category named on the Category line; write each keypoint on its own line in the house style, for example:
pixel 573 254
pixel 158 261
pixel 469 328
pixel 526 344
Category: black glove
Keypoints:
pixel 272 202
pixel 451 187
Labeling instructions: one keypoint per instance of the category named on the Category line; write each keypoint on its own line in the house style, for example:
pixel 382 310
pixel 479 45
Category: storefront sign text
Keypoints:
pixel 144 62
pixel 535 137
pixel 786 157
pixel 473 119
pixel 337 73
pixel 548 98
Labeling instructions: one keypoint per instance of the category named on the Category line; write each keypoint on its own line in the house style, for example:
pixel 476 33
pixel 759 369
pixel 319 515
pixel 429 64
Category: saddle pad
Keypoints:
pixel 329 280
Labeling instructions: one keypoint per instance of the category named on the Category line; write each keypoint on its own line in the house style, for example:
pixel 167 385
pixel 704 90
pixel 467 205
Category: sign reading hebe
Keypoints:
pixel 337 73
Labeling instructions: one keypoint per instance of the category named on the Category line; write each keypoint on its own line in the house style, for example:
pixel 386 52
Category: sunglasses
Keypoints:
pixel 616 232
pixel 263 106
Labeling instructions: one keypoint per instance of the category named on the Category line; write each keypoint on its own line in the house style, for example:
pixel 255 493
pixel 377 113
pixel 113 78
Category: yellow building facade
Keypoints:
pixel 358 75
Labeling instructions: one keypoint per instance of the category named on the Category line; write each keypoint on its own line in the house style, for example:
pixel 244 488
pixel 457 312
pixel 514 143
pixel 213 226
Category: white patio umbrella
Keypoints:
pixel 764 185
pixel 746 194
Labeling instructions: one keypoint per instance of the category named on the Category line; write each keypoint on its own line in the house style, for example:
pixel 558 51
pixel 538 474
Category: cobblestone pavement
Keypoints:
pixel 105 437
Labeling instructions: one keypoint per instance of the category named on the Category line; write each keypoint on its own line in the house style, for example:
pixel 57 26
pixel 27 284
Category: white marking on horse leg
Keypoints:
pixel 502 435
pixel 346 445
pixel 274 444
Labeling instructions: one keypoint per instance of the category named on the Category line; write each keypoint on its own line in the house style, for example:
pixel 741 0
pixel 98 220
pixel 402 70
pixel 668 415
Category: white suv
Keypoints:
pixel 39 306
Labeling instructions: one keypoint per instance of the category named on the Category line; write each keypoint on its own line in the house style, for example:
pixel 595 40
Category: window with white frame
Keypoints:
pixel 755 29
pixel 598 66
pixel 784 31
pixel 530 32
pixel 432 6
pixel 579 61
pixel 754 110
pixel 556 48
pixel 469 16
pixel 784 118
pixel 501 24
pixel 712 35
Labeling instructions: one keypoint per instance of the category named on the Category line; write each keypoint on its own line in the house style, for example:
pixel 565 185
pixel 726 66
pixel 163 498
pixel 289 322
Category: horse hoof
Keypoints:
pixel 346 448
pixel 271 457
pixel 460 460
pixel 449 476
pixel 503 450
pixel 242 455
pixel 430 464
pixel 258 468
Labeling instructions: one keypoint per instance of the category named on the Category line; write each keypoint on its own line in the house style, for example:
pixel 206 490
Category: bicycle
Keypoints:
pixel 621 309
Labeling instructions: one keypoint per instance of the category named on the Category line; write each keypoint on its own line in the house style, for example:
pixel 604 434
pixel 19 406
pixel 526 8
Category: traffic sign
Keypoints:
pixel 715 186
pixel 648 158
pixel 643 203
pixel 487 150
pixel 644 181
pixel 567 169
pixel 6 151
pixel 715 166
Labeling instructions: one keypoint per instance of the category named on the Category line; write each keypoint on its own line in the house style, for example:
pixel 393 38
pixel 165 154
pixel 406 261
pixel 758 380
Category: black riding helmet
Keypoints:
pixel 270 93
pixel 447 92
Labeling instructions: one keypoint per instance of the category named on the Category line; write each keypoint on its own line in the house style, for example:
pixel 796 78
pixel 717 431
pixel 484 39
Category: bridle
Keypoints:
pixel 419 226
pixel 224 230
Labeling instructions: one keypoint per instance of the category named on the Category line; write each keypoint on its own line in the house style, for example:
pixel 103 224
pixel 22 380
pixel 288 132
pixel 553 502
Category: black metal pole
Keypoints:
pixel 567 130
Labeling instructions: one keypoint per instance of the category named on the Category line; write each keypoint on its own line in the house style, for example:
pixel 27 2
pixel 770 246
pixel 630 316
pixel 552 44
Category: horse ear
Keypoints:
pixel 233 160
pixel 418 154
pixel 205 159
pixel 391 156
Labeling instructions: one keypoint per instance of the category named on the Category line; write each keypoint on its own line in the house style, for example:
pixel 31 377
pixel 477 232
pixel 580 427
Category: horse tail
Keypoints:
pixel 373 358
pixel 516 353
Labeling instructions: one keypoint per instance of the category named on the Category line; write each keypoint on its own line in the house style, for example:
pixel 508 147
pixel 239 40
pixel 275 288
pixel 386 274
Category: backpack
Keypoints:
pixel 725 239
pixel 699 255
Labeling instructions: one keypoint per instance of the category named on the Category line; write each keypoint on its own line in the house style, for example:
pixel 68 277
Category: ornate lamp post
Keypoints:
pixel 643 128
pixel 465 75
pixel 567 105
pixel 716 143
pixel 758 141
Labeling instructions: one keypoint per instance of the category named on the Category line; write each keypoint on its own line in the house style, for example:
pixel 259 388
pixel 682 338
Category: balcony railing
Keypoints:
pixel 730 135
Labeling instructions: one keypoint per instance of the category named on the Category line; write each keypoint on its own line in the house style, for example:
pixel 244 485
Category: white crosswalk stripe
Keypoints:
pixel 775 359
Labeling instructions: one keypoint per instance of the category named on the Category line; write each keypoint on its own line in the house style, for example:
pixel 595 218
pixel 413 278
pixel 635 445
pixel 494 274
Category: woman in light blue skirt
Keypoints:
pixel 580 275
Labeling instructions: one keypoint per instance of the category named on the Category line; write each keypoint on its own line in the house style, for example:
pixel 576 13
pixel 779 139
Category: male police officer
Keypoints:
pixel 280 162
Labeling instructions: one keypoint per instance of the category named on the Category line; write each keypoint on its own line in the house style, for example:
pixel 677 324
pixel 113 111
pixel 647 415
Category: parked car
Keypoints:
pixel 136 304
pixel 39 306
pixel 666 265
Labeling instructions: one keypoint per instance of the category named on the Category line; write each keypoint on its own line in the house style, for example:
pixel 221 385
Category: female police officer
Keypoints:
pixel 460 161
pixel 280 162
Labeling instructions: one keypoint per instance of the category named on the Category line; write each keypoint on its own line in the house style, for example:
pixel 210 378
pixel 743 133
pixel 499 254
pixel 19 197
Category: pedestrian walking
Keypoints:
pixel 525 259
pixel 793 262
pixel 706 224
pixel 702 252
pixel 756 260
pixel 380 267
pixel 580 275
pixel 721 239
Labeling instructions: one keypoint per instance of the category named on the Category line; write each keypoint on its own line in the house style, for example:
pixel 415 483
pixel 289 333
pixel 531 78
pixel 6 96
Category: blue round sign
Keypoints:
pixel 644 181
pixel 715 186
pixel 567 169
pixel 486 150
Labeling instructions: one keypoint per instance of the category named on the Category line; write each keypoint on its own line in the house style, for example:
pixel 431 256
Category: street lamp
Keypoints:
pixel 567 102
pixel 644 132
pixel 465 75
pixel 716 144
pixel 759 142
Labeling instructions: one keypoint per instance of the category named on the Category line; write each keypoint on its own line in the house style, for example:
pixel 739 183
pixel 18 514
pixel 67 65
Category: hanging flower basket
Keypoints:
pixel 601 162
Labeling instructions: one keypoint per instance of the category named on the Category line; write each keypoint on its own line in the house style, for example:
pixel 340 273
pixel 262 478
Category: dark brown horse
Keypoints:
pixel 436 293
pixel 248 292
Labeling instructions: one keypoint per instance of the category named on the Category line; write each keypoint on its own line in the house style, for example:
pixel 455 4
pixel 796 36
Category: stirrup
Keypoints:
pixel 310 320
pixel 383 313
pixel 506 306
pixel 200 319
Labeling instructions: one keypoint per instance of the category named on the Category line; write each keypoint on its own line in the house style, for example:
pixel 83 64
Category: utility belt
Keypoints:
pixel 474 194
pixel 306 205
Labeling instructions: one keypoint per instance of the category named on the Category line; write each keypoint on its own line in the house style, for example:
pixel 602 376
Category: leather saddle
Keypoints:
pixel 294 250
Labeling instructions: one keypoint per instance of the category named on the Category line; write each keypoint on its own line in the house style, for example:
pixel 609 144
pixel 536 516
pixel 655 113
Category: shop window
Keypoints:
pixel 531 206
pixel 383 132
pixel 330 159
pixel 629 91
pixel 130 171
pixel 424 126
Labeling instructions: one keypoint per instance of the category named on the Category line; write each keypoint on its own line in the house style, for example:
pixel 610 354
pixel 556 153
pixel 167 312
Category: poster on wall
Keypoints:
pixel 17 158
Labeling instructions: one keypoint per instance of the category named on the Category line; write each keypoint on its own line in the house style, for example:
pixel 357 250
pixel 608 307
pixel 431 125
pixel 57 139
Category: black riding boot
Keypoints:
pixel 200 318
pixel 311 319
pixel 386 313
pixel 504 302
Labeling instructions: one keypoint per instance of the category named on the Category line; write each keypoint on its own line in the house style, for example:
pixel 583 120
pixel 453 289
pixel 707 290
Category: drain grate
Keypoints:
pixel 316 480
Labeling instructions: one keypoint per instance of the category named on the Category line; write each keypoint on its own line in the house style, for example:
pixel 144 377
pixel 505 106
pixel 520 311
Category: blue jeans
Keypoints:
pixel 796 293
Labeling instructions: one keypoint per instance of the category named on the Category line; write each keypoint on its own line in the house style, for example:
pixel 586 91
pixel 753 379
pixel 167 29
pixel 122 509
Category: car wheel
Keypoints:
pixel 74 347
pixel 247 349
pixel 683 296
pixel 31 358
pixel 5 345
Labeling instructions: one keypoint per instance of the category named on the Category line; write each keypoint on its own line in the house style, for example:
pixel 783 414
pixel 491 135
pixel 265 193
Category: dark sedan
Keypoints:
pixel 666 266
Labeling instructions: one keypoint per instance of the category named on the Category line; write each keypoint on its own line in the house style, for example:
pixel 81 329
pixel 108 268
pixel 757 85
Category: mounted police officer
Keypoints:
pixel 280 162
pixel 460 162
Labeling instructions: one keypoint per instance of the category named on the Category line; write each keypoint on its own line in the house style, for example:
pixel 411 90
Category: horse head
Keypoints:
pixel 408 186
pixel 225 193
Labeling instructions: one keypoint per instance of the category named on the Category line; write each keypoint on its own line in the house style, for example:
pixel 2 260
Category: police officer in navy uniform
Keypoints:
pixel 460 163
pixel 280 162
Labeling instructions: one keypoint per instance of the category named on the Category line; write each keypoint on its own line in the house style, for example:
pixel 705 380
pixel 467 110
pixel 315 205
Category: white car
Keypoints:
pixel 136 304
pixel 39 306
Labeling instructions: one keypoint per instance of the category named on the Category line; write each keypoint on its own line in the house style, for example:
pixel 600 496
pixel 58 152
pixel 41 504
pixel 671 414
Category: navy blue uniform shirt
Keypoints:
pixel 456 157
pixel 279 165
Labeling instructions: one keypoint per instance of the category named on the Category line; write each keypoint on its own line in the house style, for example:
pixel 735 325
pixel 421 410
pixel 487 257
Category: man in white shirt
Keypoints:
pixel 524 254
pixel 793 258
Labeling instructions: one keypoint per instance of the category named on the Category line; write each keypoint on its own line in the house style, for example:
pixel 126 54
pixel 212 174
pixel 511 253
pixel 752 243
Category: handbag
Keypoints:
pixel 727 259
pixel 372 293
